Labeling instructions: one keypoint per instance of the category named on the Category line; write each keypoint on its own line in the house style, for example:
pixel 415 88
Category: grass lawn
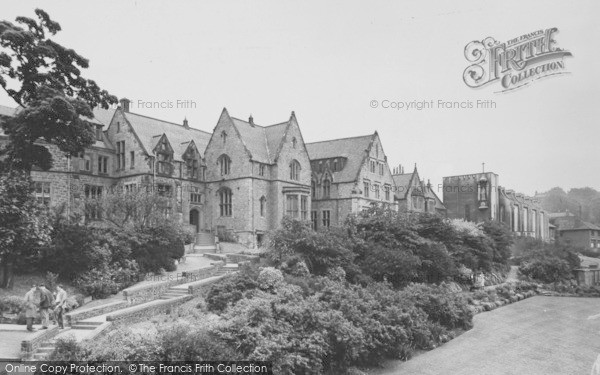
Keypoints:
pixel 540 335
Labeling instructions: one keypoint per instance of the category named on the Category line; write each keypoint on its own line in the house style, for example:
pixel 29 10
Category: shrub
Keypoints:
pixel 68 350
pixel 102 282
pixel 228 291
pixel 269 278
pixel 446 308
pixel 158 247
pixel 547 269
pixel 187 342
pixel 12 305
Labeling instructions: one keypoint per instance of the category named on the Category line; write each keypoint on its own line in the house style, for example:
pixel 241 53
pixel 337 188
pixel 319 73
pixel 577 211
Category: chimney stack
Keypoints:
pixel 251 120
pixel 185 123
pixel 124 104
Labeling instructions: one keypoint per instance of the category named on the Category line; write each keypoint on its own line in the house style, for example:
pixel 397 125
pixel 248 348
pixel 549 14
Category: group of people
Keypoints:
pixel 42 301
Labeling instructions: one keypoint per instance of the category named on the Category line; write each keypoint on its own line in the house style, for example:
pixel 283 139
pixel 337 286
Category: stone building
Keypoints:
pixel 479 197
pixel 414 195
pixel 577 232
pixel 348 176
pixel 238 181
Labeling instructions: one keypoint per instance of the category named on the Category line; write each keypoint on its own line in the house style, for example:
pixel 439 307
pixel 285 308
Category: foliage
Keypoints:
pixel 102 282
pixel 319 250
pixel 441 304
pixel 68 350
pixel 547 269
pixel 230 290
pixel 24 224
pixel 183 341
pixel 269 278
pixel 44 78
pixel 12 305
pixel 157 247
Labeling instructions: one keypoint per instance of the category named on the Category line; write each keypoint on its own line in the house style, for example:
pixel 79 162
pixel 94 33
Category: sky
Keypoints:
pixel 339 64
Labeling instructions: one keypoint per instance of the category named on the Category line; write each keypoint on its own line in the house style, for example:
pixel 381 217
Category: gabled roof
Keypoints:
pixel 149 131
pixel 567 223
pixel 353 149
pixel 263 142
pixel 404 182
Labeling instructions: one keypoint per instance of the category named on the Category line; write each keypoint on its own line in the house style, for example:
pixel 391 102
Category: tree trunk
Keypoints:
pixel 6 272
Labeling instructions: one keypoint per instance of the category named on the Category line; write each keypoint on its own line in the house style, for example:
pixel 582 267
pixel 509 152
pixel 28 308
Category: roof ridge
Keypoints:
pixel 340 139
pixel 165 121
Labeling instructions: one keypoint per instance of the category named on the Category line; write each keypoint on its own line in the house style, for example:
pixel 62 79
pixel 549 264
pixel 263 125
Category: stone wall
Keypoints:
pixel 30 345
pixel 75 316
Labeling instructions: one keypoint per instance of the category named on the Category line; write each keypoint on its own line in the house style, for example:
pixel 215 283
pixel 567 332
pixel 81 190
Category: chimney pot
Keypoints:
pixel 251 120
pixel 185 123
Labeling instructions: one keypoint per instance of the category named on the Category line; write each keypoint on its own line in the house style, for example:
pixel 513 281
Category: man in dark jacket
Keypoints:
pixel 46 303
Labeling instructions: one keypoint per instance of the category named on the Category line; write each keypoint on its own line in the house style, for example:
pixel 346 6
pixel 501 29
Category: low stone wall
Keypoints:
pixel 239 258
pixel 143 312
pixel 144 293
pixel 197 287
pixel 31 344
pixel 77 315
pixel 219 257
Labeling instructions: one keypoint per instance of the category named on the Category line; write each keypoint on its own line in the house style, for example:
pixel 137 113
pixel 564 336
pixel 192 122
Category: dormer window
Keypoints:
pixel 164 158
pixel 99 133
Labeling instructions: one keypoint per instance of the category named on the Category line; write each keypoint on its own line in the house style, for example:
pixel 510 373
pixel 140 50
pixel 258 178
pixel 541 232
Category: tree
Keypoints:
pixel 24 224
pixel 44 79
pixel 55 101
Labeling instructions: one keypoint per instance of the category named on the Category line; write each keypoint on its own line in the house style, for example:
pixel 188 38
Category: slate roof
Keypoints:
pixel 149 130
pixel 262 141
pixel 104 116
pixel 353 149
pixel 403 183
pixel 573 223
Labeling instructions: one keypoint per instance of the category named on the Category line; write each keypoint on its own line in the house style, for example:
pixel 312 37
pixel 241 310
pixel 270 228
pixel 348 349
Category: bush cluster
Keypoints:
pixel 102 261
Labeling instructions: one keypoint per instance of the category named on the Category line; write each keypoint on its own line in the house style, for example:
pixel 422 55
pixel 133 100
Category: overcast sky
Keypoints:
pixel 327 60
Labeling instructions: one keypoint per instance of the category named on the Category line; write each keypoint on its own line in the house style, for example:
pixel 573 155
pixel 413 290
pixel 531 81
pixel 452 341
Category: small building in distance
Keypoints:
pixel 575 231
pixel 414 195
pixel 479 197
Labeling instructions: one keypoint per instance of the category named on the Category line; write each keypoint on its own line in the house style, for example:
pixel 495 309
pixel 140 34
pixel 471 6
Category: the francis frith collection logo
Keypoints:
pixel 515 63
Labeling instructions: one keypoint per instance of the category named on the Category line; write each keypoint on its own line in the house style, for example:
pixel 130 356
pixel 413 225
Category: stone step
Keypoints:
pixel 84 326
pixel 88 323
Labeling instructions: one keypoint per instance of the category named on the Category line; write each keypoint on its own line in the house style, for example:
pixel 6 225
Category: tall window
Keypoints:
pixel 261 169
pixel 381 168
pixel 42 192
pixel 225 164
pixel 304 207
pixel 102 164
pixel 294 170
pixel 292 206
pixel 313 189
pixel 93 210
pixel 118 127
pixel 376 188
pixel 225 202
pixel 373 166
pixel 263 206
pixel 224 136
pixel 326 218
pixel 335 165
pixel 326 188
pixel 193 170
pixel 314 219
pixel 195 195
pixel 99 133
pixel 86 163
pixel 132 159
pixel 121 155
pixel 366 189
pixel 387 192
pixel 294 142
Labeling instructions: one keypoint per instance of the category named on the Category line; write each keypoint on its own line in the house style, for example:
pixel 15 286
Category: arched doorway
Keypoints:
pixel 195 219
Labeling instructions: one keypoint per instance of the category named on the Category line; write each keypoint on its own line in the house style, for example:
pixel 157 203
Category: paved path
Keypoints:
pixel 539 335
pixel 513 274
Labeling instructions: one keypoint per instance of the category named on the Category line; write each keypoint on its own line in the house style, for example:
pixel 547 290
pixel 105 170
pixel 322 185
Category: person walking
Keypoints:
pixel 46 303
pixel 61 300
pixel 32 299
